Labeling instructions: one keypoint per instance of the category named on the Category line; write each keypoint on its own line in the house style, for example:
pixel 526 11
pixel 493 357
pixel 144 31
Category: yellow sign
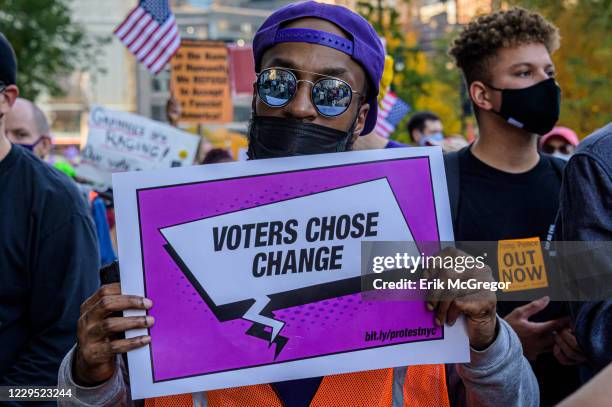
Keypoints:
pixel 521 263
pixel 200 82
pixel 239 146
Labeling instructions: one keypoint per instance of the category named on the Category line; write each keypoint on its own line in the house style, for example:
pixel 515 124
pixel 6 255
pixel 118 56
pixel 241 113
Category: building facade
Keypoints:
pixel 115 88
pixel 433 19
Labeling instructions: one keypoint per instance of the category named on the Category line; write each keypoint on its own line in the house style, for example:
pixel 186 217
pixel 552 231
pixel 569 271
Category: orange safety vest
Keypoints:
pixel 415 386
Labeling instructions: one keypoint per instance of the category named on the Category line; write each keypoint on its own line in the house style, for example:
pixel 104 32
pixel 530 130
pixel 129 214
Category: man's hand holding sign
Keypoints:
pixel 100 329
pixel 478 306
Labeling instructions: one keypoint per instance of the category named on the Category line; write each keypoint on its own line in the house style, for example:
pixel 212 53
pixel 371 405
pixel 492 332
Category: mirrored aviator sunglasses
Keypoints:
pixel 330 96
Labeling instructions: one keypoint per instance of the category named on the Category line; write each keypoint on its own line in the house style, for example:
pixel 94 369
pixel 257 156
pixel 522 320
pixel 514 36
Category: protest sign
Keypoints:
pixel 248 264
pixel 120 141
pixel 239 146
pixel 521 263
pixel 200 80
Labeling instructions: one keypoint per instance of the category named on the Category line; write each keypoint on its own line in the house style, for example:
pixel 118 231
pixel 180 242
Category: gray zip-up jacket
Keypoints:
pixel 497 376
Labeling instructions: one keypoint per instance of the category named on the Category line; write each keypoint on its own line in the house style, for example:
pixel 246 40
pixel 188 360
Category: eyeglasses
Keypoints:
pixel 330 96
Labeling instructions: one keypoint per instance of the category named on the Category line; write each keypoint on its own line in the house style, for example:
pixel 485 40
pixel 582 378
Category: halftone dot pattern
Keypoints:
pixel 322 312
pixel 187 338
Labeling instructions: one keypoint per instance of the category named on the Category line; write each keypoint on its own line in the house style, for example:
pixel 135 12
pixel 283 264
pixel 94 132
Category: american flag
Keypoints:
pixel 150 33
pixel 391 111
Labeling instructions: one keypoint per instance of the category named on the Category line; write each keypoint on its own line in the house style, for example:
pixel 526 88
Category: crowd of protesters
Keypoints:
pixel 521 177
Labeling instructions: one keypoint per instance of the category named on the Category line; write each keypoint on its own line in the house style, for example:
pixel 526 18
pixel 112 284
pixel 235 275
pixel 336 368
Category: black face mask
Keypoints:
pixel 271 137
pixel 534 109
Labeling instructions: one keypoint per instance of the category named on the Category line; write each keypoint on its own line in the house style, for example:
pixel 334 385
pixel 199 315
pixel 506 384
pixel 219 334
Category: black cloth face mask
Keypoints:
pixel 534 109
pixel 271 137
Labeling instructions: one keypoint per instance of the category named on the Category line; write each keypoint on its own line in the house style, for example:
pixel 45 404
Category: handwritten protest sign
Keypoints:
pixel 247 265
pixel 200 79
pixel 119 141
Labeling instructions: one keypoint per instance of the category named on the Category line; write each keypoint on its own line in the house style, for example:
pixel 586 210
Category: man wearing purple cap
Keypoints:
pixel 318 69
pixel 331 61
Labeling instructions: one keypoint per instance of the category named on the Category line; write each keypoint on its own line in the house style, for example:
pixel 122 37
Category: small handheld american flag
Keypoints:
pixel 150 33
pixel 391 111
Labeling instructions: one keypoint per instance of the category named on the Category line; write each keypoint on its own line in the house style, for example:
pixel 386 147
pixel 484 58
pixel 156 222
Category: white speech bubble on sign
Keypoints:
pixel 226 281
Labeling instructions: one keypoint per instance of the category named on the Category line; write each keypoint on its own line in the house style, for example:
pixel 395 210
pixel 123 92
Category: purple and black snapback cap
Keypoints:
pixel 363 46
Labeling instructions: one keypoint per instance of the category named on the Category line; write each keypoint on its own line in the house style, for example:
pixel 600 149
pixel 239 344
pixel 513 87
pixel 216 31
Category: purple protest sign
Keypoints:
pixel 249 266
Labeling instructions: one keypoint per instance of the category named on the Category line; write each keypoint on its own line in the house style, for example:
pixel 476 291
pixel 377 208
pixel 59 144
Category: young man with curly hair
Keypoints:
pixel 505 188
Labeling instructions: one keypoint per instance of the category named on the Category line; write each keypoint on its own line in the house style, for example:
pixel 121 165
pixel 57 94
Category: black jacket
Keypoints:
pixel 48 267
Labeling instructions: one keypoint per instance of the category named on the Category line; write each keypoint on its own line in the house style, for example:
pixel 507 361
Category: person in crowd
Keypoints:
pixel 501 188
pixel 217 155
pixel 27 126
pixel 295 125
pixel 204 146
pixel 449 143
pixel 375 141
pixel 48 253
pixel 560 142
pixel 425 129
pixel 585 214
